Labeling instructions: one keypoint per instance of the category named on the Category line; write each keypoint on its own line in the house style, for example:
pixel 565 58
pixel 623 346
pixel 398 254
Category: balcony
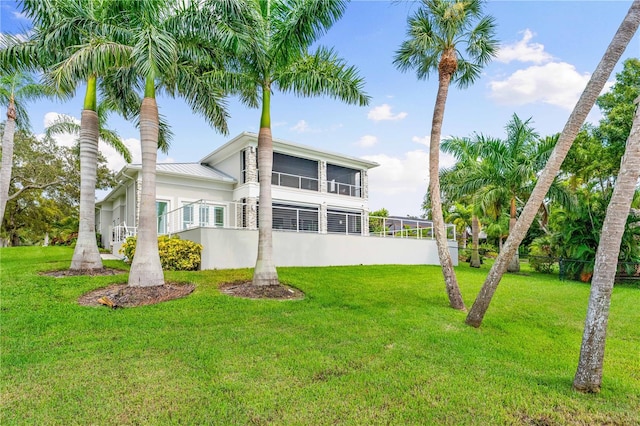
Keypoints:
pixel 294 181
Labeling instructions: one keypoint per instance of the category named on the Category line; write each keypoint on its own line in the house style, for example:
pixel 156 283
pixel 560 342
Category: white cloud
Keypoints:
pixel 555 83
pixel 426 140
pixel 115 161
pixel 524 51
pixel 406 174
pixel 400 182
pixel 300 127
pixel 383 112
pixel 367 141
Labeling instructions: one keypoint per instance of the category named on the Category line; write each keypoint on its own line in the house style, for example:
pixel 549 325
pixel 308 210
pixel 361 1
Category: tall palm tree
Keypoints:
pixel 596 83
pixel 171 46
pixel 588 376
pixel 278 58
pixel 437 33
pixel 61 31
pixel 16 88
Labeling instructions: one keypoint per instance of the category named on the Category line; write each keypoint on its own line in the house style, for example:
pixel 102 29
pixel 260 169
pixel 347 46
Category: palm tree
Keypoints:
pixel 16 88
pixel 437 32
pixel 70 44
pixel 465 151
pixel 588 377
pixel 173 47
pixel 596 83
pixel 461 216
pixel 278 58
pixel 507 171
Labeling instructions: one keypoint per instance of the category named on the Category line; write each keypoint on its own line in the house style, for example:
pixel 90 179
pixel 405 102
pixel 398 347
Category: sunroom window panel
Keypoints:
pixel 344 181
pixel 294 172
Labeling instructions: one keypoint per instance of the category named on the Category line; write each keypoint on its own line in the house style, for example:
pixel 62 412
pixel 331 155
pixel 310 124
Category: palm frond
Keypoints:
pixel 323 73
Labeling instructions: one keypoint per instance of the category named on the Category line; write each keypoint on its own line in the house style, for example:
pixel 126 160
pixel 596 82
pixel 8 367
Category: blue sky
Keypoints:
pixel 548 51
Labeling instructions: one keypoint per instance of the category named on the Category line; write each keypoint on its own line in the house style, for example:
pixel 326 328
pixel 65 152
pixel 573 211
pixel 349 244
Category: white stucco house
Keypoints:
pixel 320 209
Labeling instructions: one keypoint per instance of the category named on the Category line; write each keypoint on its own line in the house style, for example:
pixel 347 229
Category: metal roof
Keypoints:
pixel 194 170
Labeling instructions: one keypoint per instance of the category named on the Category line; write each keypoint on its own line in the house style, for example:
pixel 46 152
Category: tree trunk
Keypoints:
pixel 514 265
pixel 451 283
pixel 146 270
pixel 595 85
pixel 475 236
pixel 7 157
pixel 86 256
pixel 265 272
pixel 589 374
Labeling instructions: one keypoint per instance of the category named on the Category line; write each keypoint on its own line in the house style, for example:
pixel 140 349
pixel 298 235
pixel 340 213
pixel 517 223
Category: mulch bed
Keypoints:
pixel 89 272
pixel 124 296
pixel 248 291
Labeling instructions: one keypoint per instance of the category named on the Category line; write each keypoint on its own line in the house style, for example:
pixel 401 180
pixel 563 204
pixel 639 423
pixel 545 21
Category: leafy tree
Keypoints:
pixel 595 85
pixel 45 189
pixel 436 35
pixel 376 221
pixel 278 57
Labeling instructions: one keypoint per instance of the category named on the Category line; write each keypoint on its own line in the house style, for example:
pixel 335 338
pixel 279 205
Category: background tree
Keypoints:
pixel 436 35
pixel 595 85
pixel 45 189
pixel 588 376
pixel 278 58
pixel 16 89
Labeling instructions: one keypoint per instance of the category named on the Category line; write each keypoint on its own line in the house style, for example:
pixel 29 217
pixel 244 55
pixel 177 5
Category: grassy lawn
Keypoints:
pixel 368 345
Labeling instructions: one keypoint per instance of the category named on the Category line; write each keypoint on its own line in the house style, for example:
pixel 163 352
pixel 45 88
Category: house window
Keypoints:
pixel 243 165
pixel 162 207
pixel 294 172
pixel 344 181
pixel 218 216
pixel 344 222
pixel 187 216
pixel 203 215
pixel 295 218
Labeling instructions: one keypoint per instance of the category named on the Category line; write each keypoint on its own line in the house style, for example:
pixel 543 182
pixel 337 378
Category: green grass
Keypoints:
pixel 368 345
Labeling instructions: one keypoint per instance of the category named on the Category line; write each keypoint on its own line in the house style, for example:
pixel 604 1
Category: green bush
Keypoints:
pixel 541 257
pixel 175 254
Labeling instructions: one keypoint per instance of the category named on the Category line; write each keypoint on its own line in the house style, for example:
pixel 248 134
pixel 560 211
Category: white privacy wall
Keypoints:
pixel 237 248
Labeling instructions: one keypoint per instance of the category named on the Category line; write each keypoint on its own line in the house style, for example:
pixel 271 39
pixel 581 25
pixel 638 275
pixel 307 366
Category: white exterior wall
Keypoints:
pixel 231 166
pixel 231 248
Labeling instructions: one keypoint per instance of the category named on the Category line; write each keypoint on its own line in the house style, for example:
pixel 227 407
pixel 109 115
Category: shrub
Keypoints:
pixel 541 256
pixel 175 254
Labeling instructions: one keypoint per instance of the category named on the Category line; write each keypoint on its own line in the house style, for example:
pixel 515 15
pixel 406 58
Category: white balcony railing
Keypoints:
pixel 294 181
pixel 231 215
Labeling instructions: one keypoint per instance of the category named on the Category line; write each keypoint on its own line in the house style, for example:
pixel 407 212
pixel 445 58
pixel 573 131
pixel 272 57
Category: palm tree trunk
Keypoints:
pixel 146 270
pixel 7 156
pixel 86 256
pixel 265 272
pixel 595 85
pixel 514 265
pixel 589 374
pixel 451 283
pixel 475 236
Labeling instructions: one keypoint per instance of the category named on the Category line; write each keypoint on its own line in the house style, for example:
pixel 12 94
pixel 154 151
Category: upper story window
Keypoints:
pixel 344 181
pixel 294 172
